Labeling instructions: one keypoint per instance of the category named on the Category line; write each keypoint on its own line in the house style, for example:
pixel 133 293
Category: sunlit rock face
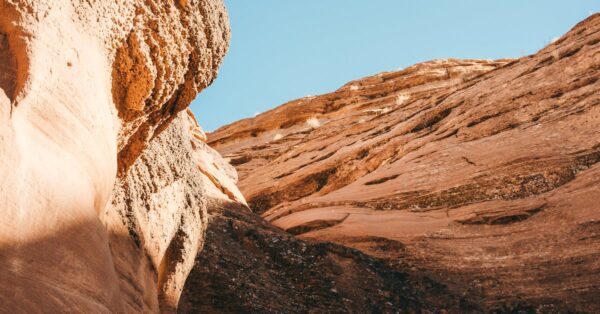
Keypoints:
pixel 85 86
pixel 483 174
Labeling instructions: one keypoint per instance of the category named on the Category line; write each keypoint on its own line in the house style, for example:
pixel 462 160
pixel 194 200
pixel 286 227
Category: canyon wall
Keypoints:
pixel 462 185
pixel 481 175
pixel 86 88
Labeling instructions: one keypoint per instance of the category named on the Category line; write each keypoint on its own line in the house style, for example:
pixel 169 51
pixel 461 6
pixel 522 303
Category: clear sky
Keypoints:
pixel 286 49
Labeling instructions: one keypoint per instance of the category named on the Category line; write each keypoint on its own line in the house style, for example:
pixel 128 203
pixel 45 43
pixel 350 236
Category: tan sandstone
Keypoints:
pixel 85 87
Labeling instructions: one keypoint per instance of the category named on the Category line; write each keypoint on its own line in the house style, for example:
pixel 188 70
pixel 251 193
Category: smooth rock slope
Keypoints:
pixel 483 174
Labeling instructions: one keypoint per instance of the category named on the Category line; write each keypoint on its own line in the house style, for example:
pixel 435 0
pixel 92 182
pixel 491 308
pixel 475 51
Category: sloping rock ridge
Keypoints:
pixel 103 200
pixel 482 175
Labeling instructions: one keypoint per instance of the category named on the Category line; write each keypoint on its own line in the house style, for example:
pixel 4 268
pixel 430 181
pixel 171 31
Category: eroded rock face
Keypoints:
pixel 161 205
pixel 483 173
pixel 84 87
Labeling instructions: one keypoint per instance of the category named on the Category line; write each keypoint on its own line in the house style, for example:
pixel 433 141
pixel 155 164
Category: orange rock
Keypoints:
pixel 484 172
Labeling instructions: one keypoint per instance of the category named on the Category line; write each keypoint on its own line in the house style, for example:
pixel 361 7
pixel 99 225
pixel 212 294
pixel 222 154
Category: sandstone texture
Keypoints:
pixel 103 204
pixel 482 176
pixel 161 205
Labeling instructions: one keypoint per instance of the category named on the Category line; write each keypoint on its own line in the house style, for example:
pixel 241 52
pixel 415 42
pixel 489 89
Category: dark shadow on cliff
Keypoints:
pixel 249 266
pixel 74 270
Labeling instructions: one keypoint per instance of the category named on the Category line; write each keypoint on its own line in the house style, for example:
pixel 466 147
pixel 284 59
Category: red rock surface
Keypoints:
pixel 485 173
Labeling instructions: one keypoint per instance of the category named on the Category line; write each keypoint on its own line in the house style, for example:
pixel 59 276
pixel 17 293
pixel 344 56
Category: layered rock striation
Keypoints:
pixel 482 174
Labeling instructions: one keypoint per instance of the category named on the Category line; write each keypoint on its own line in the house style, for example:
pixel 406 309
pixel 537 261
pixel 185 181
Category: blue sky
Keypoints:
pixel 286 49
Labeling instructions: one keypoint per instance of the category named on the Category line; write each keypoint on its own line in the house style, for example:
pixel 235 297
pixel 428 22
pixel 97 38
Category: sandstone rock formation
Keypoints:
pixel 86 87
pixel 161 204
pixel 458 185
pixel 483 175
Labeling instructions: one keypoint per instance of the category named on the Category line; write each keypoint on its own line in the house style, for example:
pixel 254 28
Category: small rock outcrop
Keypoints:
pixel 482 175
pixel 88 91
